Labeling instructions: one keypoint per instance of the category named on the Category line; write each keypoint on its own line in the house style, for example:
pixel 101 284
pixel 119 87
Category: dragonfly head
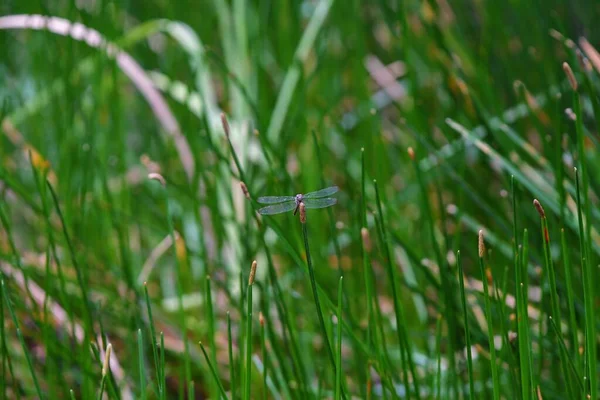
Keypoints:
pixel 299 198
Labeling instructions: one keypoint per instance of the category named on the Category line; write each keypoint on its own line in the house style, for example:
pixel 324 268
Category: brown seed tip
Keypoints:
pixel 302 213
pixel 411 153
pixel 105 364
pixel 225 124
pixel 261 319
pixel 570 114
pixel 157 177
pixel 245 190
pixel 570 75
pixel 252 273
pixel 366 239
pixel 539 208
pixel 481 244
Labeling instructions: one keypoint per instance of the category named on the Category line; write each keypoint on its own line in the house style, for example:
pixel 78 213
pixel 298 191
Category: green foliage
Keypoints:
pixel 136 138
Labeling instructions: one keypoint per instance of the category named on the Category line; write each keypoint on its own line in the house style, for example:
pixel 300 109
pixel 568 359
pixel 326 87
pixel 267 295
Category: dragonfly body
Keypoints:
pixel 281 204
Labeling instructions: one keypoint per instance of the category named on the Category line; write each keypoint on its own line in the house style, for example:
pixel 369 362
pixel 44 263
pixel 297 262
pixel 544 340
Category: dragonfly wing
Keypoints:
pixel 319 203
pixel 274 199
pixel 278 208
pixel 322 193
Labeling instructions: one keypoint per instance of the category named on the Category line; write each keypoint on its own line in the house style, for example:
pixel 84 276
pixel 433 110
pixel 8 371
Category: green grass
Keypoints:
pixel 116 162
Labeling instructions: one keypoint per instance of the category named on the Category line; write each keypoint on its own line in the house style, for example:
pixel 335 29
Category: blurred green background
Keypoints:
pixel 316 93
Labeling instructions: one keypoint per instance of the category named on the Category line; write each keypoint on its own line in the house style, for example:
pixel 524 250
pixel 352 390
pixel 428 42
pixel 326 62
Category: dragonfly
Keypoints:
pixel 281 204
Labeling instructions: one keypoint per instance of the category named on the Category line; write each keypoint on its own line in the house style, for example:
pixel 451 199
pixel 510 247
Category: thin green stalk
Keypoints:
pixel 438 351
pixel 191 390
pixel 287 322
pixel 141 364
pixel 366 244
pixel 313 284
pixel 4 352
pixel 105 371
pixel 523 289
pixel 584 176
pixel 232 382
pixel 338 372
pixel 50 234
pixel 214 373
pixel 447 291
pixel 263 344
pixel 163 377
pixel 371 331
pixel 72 394
pixel 467 332
pixel 89 332
pixel 488 315
pixel 181 311
pixel 555 304
pixel 332 228
pixel 522 317
pixel 211 318
pixel 403 341
pixel 563 349
pixel 570 298
pixel 153 342
pixel 248 376
pixel 102 385
pixel 20 337
pixel 588 295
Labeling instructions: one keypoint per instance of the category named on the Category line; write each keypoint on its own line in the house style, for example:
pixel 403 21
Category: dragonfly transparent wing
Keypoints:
pixel 278 208
pixel 319 203
pixel 322 193
pixel 274 199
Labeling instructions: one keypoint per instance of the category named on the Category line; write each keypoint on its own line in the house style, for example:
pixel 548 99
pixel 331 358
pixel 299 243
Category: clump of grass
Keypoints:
pixel 488 315
pixel 249 321
pixel 79 216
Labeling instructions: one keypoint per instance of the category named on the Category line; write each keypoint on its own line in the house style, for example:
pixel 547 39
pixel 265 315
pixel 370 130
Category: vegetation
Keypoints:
pixel 462 257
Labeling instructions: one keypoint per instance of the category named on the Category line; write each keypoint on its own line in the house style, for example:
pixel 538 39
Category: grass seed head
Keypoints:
pixel 261 319
pixel 481 244
pixel 539 208
pixel 366 239
pixel 411 153
pixel 245 190
pixel 225 124
pixel 570 75
pixel 302 213
pixel 252 273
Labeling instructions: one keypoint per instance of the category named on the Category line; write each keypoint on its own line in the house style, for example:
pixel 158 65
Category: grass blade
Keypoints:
pixel 467 332
pixel 338 372
pixel 488 315
pixel 222 393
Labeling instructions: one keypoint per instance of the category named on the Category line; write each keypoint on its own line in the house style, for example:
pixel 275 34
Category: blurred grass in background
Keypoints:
pixel 436 119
